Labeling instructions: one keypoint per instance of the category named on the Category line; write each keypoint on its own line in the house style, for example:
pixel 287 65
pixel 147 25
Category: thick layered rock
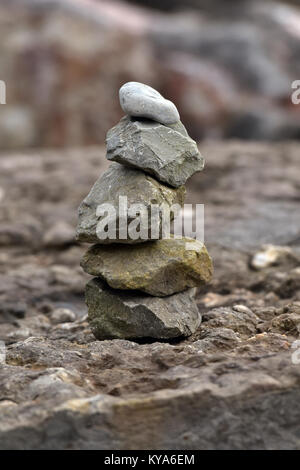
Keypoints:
pixel 140 100
pixel 123 315
pixel 139 188
pixel 159 268
pixel 165 152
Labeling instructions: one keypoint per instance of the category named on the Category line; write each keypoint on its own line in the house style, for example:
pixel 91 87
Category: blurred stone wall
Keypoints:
pixel 228 70
pixel 63 62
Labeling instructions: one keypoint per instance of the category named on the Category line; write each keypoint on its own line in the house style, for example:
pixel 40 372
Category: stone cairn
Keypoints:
pixel 143 288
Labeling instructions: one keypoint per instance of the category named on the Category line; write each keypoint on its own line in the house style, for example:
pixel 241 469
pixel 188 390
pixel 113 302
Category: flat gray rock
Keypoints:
pixel 120 180
pixel 118 314
pixel 139 100
pixel 164 152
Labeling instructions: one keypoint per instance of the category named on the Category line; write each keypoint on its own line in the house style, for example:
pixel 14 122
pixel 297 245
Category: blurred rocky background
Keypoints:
pixel 227 65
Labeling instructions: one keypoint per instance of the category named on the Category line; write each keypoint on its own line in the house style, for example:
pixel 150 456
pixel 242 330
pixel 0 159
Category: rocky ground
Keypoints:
pixel 233 384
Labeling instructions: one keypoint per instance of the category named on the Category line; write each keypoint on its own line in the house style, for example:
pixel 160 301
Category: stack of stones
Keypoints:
pixel 143 288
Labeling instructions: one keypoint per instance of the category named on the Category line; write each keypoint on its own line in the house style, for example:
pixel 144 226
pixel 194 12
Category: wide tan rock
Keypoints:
pixel 158 268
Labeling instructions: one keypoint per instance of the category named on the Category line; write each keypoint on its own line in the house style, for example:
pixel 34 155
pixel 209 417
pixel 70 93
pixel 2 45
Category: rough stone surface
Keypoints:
pixel 140 100
pixel 117 181
pixel 230 385
pixel 156 149
pixel 158 268
pixel 126 315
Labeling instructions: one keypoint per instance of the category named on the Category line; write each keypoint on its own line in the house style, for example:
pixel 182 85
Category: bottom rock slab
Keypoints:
pixel 118 314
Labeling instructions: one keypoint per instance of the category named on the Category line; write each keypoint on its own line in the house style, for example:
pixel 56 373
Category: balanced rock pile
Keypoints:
pixel 144 287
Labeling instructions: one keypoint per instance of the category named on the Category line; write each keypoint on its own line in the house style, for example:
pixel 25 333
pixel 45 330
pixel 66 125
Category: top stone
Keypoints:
pixel 142 101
